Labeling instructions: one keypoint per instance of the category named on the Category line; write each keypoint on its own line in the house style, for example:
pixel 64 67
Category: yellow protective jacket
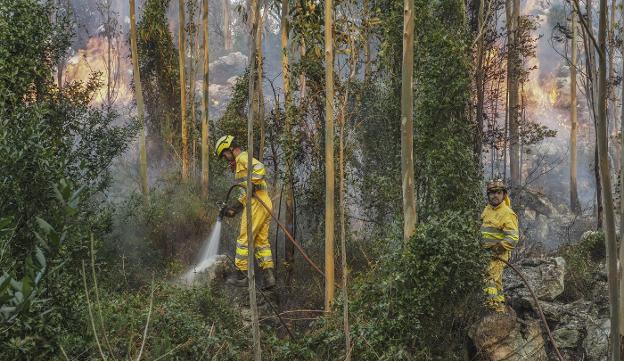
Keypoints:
pixel 258 174
pixel 499 228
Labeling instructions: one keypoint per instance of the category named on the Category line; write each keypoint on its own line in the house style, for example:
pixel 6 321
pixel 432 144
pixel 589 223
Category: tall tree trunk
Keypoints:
pixel 289 248
pixel 479 79
pixel 109 65
pixel 605 177
pixel 574 200
pixel 192 76
pixel 407 123
pixel 591 94
pixel 302 77
pixel 329 154
pixel 251 277
pixel 259 88
pixel 367 47
pixel 206 103
pixel 622 194
pixel 182 56
pixel 227 33
pixel 138 93
pixel 343 240
pixel 513 69
pixel 353 59
pixel 612 125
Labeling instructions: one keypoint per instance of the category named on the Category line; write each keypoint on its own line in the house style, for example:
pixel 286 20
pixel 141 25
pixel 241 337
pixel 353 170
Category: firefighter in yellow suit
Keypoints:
pixel 226 147
pixel 499 236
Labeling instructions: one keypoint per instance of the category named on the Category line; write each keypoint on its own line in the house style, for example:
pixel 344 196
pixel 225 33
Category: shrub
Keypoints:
pixel 417 302
pixel 583 262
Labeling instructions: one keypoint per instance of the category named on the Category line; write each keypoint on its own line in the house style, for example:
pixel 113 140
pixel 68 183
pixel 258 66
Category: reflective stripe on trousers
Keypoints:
pixel 261 221
pixel 495 298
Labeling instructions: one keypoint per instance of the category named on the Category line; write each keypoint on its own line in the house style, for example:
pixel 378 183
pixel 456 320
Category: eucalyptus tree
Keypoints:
pixel 138 93
pixel 407 123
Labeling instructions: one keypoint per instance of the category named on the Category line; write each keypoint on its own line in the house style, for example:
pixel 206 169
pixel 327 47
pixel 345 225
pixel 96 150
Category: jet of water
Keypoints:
pixel 207 255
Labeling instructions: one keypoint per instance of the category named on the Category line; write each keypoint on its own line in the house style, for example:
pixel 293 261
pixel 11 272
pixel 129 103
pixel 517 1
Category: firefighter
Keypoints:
pixel 238 160
pixel 499 236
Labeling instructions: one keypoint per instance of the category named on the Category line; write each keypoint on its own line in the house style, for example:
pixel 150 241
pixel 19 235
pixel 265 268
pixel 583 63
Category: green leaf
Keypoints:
pixel 44 226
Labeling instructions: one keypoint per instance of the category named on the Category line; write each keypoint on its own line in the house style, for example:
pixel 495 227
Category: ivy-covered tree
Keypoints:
pixel 158 62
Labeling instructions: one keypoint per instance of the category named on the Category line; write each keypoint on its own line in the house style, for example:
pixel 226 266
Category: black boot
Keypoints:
pixel 269 278
pixel 237 278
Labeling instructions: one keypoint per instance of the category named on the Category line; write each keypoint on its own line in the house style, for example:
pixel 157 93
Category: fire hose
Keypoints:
pixel 539 308
pixel 288 235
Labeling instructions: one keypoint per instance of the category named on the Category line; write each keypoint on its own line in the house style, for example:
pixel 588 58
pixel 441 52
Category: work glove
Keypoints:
pixel 233 208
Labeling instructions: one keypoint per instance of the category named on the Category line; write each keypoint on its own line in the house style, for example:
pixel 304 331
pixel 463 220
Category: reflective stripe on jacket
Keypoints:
pixel 499 227
pixel 257 175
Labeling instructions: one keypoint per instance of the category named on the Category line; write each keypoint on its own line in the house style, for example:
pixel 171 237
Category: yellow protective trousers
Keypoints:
pixel 495 298
pixel 261 219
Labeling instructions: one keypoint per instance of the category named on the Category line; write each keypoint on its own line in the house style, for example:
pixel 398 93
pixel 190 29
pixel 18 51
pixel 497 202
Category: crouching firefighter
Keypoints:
pixel 237 159
pixel 499 236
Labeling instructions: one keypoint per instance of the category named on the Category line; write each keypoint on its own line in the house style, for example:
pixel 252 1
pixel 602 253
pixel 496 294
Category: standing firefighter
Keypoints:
pixel 226 147
pixel 499 231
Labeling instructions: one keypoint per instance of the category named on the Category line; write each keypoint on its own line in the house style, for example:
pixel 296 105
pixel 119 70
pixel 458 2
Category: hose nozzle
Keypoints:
pixel 222 206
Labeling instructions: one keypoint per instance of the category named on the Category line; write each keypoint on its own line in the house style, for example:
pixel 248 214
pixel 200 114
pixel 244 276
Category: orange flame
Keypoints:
pixel 94 58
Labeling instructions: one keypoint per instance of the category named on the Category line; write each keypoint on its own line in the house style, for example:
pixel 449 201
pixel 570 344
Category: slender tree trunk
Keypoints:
pixel 193 75
pixel 479 79
pixel 343 241
pixel 574 200
pixel 138 93
pixel 622 195
pixel 289 248
pixel 592 99
pixel 227 33
pixel 259 87
pixel 302 77
pixel 367 50
pixel 109 64
pixel 182 56
pixel 255 322
pixel 612 124
pixel 513 68
pixel 353 59
pixel 329 154
pixel 407 123
pixel 605 177
pixel 206 103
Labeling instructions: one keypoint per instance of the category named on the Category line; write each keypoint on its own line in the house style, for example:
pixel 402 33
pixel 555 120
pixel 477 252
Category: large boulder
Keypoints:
pixel 545 277
pixel 501 337
pixel 227 66
pixel 596 343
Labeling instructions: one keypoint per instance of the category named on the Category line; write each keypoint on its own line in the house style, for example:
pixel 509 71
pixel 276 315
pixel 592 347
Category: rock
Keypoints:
pixel 596 342
pixel 567 337
pixel 503 337
pixel 545 276
pixel 227 66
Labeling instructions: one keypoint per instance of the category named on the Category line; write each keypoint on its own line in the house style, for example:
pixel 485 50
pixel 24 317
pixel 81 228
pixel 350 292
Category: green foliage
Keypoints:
pixel 234 119
pixel 160 76
pixel 31 44
pixel 416 303
pixel 447 170
pixel 381 163
pixel 180 325
pixel 48 137
pixel 582 264
pixel 18 294
pixel 168 228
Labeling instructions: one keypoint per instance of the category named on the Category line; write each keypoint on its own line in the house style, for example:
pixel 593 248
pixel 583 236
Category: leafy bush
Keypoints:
pixel 417 303
pixel 583 262
pixel 186 324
